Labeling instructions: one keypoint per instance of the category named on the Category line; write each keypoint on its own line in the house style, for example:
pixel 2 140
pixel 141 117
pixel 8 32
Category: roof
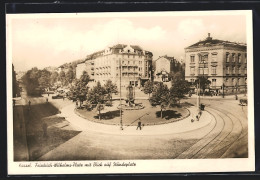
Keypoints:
pixel 136 47
pixel 209 41
pixel 119 46
pixel 166 57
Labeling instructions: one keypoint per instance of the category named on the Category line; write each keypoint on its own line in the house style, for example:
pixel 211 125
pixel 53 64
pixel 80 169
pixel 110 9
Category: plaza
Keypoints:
pixel 221 132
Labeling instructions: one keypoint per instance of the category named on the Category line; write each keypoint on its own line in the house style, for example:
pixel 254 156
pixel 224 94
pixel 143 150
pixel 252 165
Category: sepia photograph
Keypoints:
pixel 130 92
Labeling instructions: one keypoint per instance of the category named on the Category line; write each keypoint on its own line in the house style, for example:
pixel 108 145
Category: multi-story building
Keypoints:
pixel 134 62
pixel 164 66
pixel 223 62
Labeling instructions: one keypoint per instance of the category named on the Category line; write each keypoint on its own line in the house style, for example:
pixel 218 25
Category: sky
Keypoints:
pixel 42 41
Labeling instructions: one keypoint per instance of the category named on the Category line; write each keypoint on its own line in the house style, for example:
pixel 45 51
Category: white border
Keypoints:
pixel 142 166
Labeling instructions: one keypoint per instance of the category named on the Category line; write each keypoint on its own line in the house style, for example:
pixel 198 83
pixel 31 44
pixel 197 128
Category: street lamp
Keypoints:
pixel 121 120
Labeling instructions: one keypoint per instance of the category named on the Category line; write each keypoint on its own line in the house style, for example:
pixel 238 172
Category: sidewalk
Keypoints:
pixel 220 96
pixel 184 125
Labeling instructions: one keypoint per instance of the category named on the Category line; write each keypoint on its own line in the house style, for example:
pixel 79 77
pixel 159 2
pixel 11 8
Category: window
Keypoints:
pixel 206 71
pixel 233 70
pixel 245 70
pixel 239 70
pixel 238 81
pixel 239 58
pixel 227 70
pixel 204 59
pixel 213 70
pixel 214 57
pixel 214 82
pixel 192 59
pixel 233 82
pixel 227 57
pixel 245 80
pixel 200 70
pixel 233 57
pixel 192 70
pixel 227 80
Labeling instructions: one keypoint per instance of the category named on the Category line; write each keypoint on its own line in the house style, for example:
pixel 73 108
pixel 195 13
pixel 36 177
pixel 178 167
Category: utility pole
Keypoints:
pixel 121 120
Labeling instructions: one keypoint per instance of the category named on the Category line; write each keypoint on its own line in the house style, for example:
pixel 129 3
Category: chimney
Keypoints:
pixel 209 38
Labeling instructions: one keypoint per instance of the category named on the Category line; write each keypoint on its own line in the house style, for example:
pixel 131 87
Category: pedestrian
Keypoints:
pixel 77 104
pixel 48 93
pixel 29 103
pixel 13 102
pixel 197 117
pixel 139 125
pixel 46 100
pixel 63 98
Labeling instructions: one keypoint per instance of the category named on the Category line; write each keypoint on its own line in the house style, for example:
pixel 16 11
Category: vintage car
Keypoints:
pixel 58 96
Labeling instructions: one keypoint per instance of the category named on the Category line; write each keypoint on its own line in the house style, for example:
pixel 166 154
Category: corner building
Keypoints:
pixel 136 65
pixel 223 62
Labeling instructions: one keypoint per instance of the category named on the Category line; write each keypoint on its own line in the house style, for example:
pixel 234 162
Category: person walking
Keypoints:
pixel 139 125
pixel 47 100
pixel 29 103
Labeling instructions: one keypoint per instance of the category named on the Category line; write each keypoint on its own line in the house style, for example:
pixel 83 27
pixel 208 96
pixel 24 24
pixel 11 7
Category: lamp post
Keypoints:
pixel 198 85
pixel 121 120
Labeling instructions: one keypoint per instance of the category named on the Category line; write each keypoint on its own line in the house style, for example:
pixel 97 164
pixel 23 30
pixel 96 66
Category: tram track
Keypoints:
pixel 227 131
pixel 201 143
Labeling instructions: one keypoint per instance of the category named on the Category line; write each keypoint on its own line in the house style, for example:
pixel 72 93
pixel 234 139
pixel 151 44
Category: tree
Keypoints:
pixel 178 90
pixel 54 77
pixel 160 96
pixel 69 76
pixel 175 76
pixel 16 91
pixel 62 78
pixel 81 88
pixel 203 82
pixel 97 95
pixel 44 79
pixel 100 107
pixel 110 88
pixel 148 87
pixel 30 80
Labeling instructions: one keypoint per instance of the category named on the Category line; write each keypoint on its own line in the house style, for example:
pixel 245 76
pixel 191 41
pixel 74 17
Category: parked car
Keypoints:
pixel 58 96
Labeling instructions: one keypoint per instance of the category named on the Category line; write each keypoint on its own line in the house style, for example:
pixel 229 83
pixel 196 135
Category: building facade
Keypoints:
pixel 134 63
pixel 164 66
pixel 223 62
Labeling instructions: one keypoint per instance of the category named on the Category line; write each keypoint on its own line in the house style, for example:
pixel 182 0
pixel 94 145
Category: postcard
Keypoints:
pixel 130 92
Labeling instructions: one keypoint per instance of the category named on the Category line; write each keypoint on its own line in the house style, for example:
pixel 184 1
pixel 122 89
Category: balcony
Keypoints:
pixel 203 65
pixel 214 63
